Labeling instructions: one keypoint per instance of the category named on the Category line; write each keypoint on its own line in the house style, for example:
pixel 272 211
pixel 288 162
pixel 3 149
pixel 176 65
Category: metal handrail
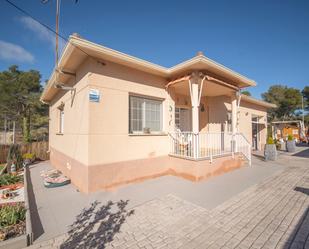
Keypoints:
pixel 206 145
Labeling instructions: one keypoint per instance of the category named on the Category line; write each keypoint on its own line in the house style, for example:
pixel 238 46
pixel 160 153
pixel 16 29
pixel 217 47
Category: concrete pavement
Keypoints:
pixel 237 208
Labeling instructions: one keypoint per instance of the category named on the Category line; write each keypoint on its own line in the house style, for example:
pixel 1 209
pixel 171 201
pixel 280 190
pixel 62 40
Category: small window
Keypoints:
pixel 61 121
pixel 145 115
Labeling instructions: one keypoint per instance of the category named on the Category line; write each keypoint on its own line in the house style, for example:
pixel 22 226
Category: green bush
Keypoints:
pixel 270 140
pixel 29 156
pixel 8 179
pixel 12 214
pixel 290 137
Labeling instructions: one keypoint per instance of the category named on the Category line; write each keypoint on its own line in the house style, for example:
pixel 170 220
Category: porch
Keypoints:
pixel 209 145
pixel 196 136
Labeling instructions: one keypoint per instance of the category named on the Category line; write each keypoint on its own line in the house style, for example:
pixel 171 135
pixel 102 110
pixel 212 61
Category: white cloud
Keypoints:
pixel 42 33
pixel 13 52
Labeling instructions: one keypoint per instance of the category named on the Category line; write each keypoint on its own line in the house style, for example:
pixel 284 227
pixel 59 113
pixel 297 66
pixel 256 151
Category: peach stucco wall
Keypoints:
pixel 74 141
pixel 109 138
pixel 216 109
pixel 247 110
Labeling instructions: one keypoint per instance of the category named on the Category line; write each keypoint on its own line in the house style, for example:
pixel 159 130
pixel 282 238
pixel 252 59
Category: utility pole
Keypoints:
pixel 57 32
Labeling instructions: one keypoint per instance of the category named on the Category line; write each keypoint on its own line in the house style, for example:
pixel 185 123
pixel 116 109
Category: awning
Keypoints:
pixel 209 78
pixel 187 77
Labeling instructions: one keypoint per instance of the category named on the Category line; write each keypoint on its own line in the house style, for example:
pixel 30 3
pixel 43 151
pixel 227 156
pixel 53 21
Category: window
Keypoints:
pixel 61 121
pixel 177 117
pixel 145 115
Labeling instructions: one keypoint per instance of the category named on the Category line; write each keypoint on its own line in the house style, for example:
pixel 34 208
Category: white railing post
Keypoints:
pixel 208 145
pixel 195 146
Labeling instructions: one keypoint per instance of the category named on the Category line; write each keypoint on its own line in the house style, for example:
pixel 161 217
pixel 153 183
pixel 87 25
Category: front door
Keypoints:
pixel 183 119
pixel 255 133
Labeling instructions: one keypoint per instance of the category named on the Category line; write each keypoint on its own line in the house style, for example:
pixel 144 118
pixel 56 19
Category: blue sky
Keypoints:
pixel 265 40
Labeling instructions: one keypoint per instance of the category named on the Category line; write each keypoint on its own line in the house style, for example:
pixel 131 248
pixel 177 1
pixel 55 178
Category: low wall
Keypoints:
pixel 108 176
pixel 27 183
pixel 14 243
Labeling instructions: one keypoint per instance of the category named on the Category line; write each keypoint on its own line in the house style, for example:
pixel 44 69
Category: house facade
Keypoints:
pixel 115 118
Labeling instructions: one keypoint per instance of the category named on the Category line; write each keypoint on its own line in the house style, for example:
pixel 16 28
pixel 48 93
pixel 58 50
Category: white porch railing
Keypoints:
pixel 208 145
pixel 242 146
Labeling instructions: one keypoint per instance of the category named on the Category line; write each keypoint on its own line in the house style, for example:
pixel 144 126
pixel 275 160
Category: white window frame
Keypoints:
pixel 145 99
pixel 177 119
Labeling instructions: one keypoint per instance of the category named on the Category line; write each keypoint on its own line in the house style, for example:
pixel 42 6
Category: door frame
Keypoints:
pixel 255 139
pixel 190 116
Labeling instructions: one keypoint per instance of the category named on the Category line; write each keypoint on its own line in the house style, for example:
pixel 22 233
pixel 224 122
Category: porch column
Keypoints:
pixel 195 107
pixel 195 102
pixel 234 113
pixel 234 123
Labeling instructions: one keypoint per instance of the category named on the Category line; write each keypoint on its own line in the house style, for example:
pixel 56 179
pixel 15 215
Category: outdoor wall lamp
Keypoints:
pixel 202 108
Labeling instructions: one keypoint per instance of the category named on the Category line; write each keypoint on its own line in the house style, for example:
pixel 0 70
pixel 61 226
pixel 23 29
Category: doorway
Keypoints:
pixel 183 119
pixel 255 133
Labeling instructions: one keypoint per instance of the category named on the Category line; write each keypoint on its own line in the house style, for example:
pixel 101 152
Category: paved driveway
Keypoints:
pixel 265 206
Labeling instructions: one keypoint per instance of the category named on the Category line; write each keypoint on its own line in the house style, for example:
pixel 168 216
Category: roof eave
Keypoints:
pixel 64 56
pixel 220 67
pixel 258 101
pixel 135 62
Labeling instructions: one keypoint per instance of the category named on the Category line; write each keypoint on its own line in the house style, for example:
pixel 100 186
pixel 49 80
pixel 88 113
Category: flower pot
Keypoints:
pixel 282 145
pixel 270 152
pixel 291 145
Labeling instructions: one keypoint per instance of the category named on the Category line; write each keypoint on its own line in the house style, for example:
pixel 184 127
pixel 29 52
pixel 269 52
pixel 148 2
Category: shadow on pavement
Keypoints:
pixel 303 153
pixel 97 225
pixel 299 238
pixel 302 190
pixel 36 223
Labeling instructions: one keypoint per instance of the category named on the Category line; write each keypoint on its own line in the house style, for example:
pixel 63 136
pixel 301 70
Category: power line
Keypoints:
pixel 47 27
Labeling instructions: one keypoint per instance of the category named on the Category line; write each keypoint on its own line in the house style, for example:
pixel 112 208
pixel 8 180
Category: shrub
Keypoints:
pixel 290 137
pixel 8 179
pixel 29 156
pixel 15 156
pixel 270 140
pixel 12 214
pixel 277 143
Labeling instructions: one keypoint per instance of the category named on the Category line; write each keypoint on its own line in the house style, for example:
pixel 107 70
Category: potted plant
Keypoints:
pixel 14 158
pixel 290 144
pixel 146 130
pixel 270 151
pixel 28 158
